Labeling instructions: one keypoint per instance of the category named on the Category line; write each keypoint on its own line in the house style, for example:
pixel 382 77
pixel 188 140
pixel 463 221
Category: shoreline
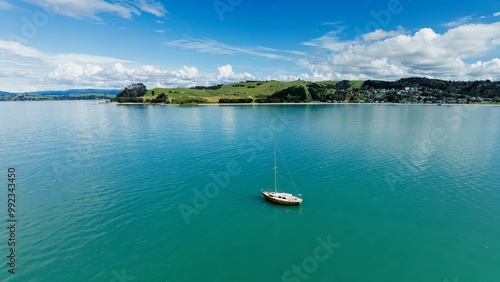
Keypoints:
pixel 298 104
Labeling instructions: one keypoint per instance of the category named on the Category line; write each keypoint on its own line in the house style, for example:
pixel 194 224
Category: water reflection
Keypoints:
pixel 228 121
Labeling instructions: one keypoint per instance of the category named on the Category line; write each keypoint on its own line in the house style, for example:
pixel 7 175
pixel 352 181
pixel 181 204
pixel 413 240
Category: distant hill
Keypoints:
pixel 2 93
pixel 245 89
pixel 52 95
pixel 74 92
pixel 68 92
pixel 71 94
pixel 413 89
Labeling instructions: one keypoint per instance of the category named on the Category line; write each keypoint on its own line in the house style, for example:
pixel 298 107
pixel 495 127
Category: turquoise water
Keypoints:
pixel 154 193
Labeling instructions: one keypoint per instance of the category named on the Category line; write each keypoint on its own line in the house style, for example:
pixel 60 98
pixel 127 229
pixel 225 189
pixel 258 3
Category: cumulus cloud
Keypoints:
pixel 53 71
pixel 226 74
pixel 497 14
pixel 486 70
pixel 62 71
pixel 119 75
pixel 71 72
pixel 305 76
pixel 425 53
pixel 30 69
pixel 187 72
pixel 91 8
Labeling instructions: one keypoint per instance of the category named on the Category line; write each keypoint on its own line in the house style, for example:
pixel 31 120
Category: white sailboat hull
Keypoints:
pixel 282 198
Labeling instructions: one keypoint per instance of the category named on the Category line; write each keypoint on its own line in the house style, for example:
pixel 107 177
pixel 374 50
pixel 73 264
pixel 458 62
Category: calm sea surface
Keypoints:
pixel 162 193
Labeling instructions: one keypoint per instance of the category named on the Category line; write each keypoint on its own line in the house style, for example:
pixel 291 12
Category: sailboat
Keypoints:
pixel 281 198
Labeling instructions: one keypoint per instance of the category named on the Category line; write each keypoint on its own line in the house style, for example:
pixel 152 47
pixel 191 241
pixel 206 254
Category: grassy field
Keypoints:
pixel 252 90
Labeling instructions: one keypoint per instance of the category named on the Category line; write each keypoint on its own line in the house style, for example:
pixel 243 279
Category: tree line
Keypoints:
pixel 479 88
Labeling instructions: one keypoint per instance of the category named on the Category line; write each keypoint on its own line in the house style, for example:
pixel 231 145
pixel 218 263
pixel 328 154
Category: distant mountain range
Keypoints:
pixel 66 92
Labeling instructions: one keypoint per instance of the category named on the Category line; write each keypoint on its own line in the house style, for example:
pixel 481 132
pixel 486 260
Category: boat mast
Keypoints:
pixel 275 166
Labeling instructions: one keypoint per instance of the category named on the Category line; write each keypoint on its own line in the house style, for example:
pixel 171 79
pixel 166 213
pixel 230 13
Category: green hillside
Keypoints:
pixel 406 90
pixel 249 89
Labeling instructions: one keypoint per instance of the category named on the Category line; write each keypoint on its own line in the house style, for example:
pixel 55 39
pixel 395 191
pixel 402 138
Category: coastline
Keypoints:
pixel 297 104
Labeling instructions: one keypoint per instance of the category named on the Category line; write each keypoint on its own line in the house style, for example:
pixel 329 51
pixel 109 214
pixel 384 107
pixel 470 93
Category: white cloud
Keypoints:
pixel 119 68
pixel 152 7
pixel 118 76
pixel 485 70
pixel 471 40
pixel 460 21
pixel 23 68
pixel 424 53
pixel 226 74
pixel 215 47
pixel 187 72
pixel 91 8
pixel 4 5
pixel 85 8
pixel 381 34
pixel 16 48
pixel 337 23
pixel 40 70
pixel 329 41
pixel 84 58
pixel 305 76
pixel 71 73
pixel 497 14
pixel 225 71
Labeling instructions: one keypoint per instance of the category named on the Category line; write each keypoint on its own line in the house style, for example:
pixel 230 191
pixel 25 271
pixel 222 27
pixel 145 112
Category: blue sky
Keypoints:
pixel 61 44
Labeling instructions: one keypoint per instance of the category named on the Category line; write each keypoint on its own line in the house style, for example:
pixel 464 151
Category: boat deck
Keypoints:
pixel 282 198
